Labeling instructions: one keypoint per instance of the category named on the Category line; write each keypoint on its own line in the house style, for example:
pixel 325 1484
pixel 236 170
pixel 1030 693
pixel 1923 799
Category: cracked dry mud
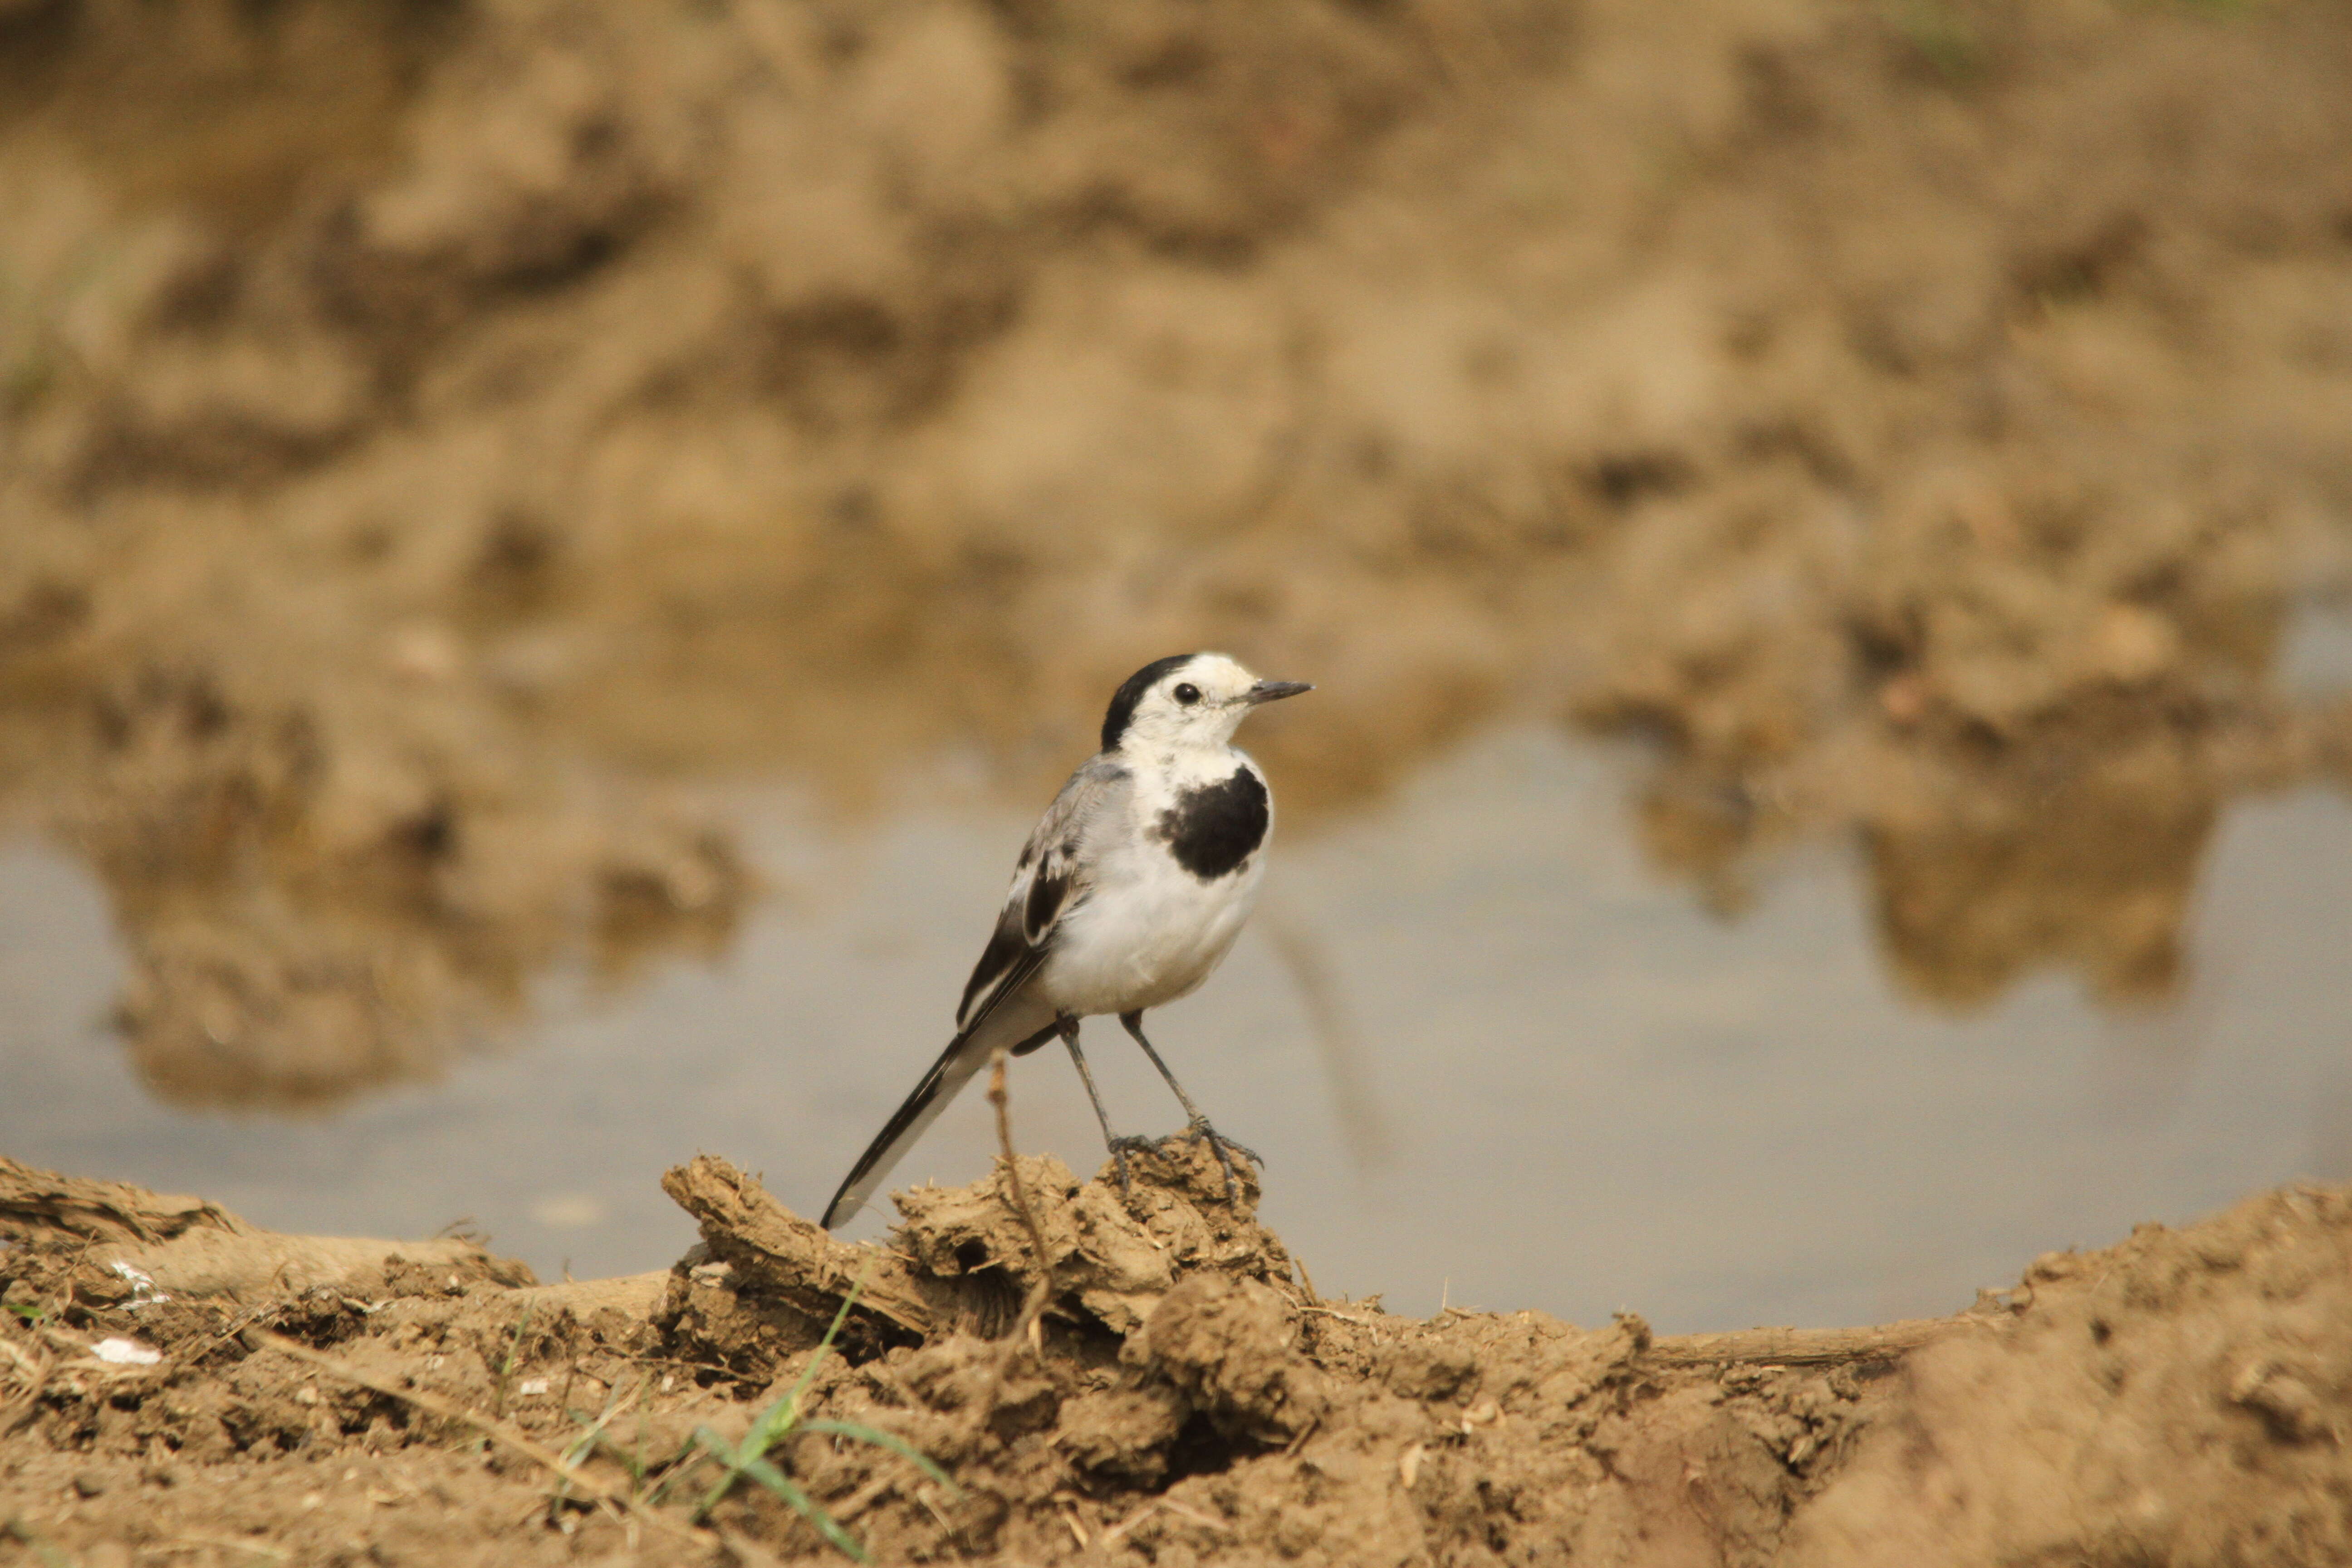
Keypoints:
pixel 1187 1398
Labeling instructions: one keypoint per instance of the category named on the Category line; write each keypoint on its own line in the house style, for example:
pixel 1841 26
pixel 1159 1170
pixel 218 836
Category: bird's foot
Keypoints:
pixel 1119 1148
pixel 1199 1130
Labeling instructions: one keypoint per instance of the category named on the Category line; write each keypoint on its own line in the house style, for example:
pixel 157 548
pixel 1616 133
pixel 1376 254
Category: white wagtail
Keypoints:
pixel 1131 890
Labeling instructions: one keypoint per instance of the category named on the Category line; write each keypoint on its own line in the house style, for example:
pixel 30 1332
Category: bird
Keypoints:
pixel 1127 895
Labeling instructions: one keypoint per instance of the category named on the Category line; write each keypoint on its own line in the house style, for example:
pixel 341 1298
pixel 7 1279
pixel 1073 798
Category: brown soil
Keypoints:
pixel 436 437
pixel 1186 1397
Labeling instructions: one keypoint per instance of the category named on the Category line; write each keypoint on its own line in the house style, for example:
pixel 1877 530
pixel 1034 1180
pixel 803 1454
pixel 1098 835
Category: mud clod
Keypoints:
pixel 1124 1431
pixel 1230 1346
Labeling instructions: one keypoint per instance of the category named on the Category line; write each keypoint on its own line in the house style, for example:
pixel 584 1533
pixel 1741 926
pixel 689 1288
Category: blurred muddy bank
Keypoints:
pixel 439 441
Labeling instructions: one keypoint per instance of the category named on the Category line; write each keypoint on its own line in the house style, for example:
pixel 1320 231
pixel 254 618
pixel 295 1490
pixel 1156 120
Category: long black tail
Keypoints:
pixel 965 1055
pixel 917 1112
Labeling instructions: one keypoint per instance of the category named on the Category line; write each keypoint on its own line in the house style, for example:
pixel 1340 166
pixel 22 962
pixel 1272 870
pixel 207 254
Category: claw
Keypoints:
pixel 1118 1151
pixel 1200 1131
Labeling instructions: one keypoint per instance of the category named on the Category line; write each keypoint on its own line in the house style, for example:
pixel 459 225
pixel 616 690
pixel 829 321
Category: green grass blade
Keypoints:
pixel 708 1440
pixel 781 1420
pixel 685 1456
pixel 808 1376
pixel 768 1476
pixel 769 1427
pixel 18 1531
pixel 506 1369
pixel 724 1452
pixel 716 1495
pixel 889 1440
pixel 772 1424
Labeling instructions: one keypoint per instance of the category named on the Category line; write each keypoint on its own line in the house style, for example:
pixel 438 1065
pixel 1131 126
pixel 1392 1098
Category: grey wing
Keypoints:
pixel 1051 877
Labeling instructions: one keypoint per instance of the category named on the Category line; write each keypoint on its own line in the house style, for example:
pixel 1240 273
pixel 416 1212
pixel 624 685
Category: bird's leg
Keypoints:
pixel 1069 1028
pixel 1198 1126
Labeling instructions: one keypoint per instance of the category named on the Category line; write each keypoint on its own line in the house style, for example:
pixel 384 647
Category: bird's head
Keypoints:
pixel 1187 699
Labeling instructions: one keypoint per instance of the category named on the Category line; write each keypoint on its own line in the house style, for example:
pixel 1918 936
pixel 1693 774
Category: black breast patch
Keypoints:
pixel 1216 827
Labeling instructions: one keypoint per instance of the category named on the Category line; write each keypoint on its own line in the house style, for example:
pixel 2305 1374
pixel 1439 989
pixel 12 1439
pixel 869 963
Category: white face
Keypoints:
pixel 1199 702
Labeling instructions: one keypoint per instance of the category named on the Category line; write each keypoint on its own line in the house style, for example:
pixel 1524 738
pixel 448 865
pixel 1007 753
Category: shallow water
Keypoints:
pixel 1540 1076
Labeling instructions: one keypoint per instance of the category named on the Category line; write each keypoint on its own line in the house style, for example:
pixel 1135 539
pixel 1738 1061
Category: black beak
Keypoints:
pixel 1274 692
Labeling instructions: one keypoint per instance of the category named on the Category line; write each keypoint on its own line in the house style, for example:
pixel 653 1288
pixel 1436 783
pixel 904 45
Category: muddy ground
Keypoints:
pixel 1185 1397
pixel 440 441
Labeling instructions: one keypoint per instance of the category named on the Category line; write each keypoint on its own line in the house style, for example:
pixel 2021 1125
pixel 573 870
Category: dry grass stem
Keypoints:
pixel 1809 1347
pixel 1042 1292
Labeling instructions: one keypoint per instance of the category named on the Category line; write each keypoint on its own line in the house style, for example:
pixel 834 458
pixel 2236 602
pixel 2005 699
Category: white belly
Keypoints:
pixel 1150 933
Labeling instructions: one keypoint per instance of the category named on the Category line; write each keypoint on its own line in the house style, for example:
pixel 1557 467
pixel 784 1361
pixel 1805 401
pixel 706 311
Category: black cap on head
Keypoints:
pixel 1130 692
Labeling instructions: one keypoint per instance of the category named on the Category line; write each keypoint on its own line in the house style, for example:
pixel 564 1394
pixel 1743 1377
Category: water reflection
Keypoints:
pixel 311 912
pixel 1596 1092
pixel 2098 881
pixel 309 920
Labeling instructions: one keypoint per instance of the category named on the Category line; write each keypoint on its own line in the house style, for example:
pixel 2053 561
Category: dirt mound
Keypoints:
pixel 1179 1393
pixel 2180 1399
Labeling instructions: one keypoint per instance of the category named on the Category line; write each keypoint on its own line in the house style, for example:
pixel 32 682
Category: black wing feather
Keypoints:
pixel 1048 889
pixel 1004 950
pixel 1047 883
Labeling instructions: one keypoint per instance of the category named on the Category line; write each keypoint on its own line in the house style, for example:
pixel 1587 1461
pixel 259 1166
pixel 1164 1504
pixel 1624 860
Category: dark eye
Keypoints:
pixel 1187 693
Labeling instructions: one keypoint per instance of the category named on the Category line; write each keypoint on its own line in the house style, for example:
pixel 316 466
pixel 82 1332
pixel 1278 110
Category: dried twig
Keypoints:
pixel 1029 1327
pixel 35 1369
pixel 1343 1316
pixel 1129 1522
pixel 1195 1515
pixel 1042 1291
pixel 1809 1347
pixel 243 1544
